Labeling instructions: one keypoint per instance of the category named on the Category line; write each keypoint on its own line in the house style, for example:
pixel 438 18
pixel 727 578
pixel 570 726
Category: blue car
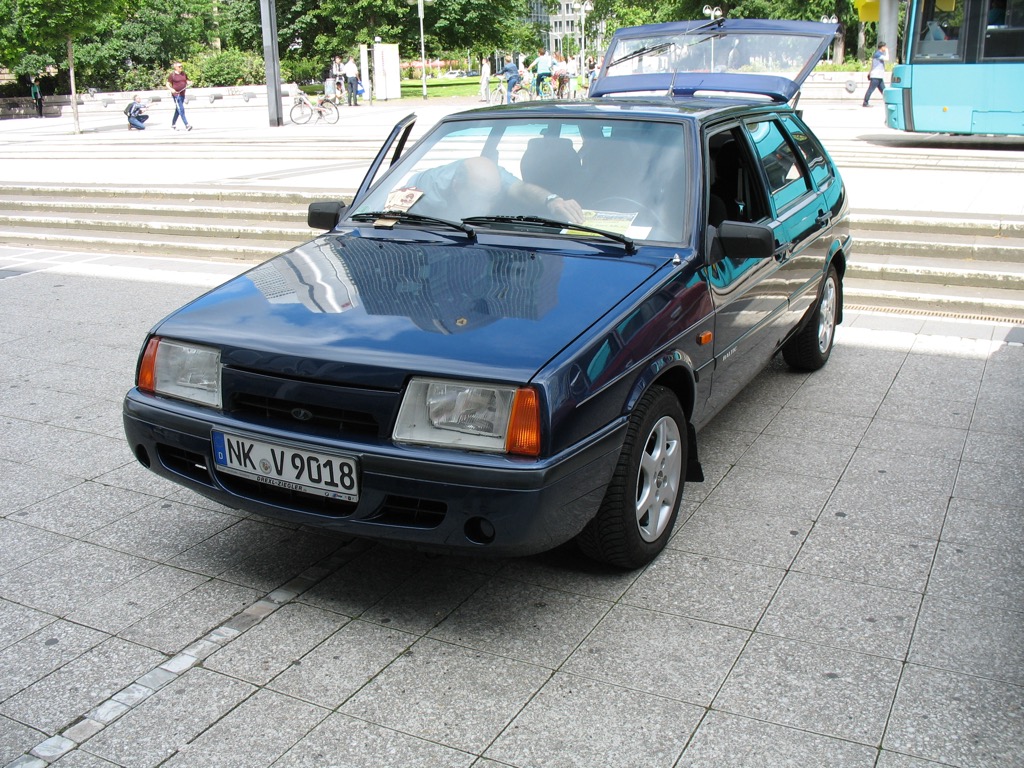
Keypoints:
pixel 512 336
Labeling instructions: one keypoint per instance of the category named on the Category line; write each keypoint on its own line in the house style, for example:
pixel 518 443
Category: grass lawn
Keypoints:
pixel 437 87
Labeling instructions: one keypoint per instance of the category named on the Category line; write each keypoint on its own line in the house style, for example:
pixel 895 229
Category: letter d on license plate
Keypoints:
pixel 285 466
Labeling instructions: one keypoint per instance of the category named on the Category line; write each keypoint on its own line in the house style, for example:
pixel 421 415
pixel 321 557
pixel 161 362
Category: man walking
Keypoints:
pixel 352 81
pixel 177 81
pixel 876 77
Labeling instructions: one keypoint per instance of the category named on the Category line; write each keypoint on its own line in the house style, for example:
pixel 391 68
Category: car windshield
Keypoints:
pixel 711 50
pixel 629 177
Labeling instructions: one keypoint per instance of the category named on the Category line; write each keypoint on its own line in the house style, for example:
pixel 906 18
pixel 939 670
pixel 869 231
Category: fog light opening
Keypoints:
pixel 143 456
pixel 479 531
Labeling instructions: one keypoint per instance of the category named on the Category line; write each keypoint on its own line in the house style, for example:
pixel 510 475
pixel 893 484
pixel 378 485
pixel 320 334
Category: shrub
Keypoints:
pixel 226 68
pixel 301 70
pixel 143 79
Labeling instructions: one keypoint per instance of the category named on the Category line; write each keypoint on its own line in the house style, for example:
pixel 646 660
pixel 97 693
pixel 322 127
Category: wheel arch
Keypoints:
pixel 837 259
pixel 674 371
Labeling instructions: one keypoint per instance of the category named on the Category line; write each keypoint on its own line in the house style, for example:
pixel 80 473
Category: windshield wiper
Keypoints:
pixel 629 245
pixel 642 52
pixel 407 217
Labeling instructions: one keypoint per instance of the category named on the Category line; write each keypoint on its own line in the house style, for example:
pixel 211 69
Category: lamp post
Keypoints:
pixel 423 53
pixel 713 13
pixel 583 9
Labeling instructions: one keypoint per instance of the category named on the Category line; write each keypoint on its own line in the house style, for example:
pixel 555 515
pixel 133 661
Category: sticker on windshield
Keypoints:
pixel 608 221
pixel 403 199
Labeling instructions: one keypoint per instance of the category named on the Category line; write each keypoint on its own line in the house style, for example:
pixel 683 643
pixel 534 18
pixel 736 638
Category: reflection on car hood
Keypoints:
pixel 370 311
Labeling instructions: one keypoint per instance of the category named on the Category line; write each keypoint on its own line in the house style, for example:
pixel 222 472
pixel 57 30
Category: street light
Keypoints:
pixel 830 20
pixel 583 9
pixel 423 51
pixel 714 14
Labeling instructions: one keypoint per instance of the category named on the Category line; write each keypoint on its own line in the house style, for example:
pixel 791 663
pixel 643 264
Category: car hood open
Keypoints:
pixel 749 56
pixel 370 312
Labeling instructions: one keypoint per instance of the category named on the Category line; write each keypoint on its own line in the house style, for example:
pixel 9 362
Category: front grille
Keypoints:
pixel 410 513
pixel 306 418
pixel 185 463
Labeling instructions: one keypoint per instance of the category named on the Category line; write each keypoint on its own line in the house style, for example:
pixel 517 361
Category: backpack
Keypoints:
pixel 128 109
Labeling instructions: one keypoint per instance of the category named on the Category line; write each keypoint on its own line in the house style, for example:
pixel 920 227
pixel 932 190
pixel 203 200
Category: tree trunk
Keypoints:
pixel 839 46
pixel 71 73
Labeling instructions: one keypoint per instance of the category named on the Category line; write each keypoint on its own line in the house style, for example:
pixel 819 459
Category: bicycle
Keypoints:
pixel 521 92
pixel 546 90
pixel 304 109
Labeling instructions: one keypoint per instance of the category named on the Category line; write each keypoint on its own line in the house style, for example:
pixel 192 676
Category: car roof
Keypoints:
pixel 698 109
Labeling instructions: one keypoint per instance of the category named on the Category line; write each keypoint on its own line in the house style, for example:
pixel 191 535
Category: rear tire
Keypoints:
pixel 810 349
pixel 640 507
pixel 330 113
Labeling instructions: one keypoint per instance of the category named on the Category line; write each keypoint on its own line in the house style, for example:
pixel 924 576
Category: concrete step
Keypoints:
pixel 242 249
pixel 933 271
pixel 956 248
pixel 171 192
pixel 146 225
pixel 260 210
pixel 868 220
pixel 949 300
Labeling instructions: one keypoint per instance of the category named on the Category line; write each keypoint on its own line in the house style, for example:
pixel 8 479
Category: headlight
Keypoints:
pixel 473 416
pixel 186 371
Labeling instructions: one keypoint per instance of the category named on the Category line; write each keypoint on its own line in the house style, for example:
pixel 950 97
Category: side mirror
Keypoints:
pixel 324 215
pixel 740 240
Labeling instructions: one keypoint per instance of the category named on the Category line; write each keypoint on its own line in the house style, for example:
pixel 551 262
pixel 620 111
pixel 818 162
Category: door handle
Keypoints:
pixel 823 220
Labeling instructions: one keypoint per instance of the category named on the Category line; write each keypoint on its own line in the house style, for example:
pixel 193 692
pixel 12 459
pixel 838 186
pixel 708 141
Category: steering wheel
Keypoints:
pixel 618 203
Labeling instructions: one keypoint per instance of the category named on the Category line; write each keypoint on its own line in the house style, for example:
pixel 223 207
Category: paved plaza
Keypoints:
pixel 843 590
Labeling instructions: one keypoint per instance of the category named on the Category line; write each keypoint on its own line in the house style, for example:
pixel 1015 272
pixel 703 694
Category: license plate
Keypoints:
pixel 320 474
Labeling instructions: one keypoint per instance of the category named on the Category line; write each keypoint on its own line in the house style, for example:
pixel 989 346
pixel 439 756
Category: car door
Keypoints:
pixel 750 299
pixel 799 218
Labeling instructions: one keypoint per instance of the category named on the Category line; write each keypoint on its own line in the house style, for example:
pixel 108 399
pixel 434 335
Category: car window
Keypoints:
pixel 786 180
pixel 632 177
pixel 813 154
pixel 735 191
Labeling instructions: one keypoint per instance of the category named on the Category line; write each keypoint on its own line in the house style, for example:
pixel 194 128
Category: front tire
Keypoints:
pixel 640 507
pixel 301 113
pixel 810 349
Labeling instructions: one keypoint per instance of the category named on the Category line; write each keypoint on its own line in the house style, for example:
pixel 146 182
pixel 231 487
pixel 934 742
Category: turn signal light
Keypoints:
pixel 523 436
pixel 147 368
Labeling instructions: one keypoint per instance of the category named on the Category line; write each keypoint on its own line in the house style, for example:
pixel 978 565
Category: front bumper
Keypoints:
pixel 432 499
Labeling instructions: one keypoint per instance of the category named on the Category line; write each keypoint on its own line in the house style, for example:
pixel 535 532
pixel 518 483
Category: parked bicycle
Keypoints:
pixel 304 109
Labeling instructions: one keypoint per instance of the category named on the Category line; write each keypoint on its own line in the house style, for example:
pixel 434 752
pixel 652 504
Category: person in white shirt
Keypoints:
pixel 351 81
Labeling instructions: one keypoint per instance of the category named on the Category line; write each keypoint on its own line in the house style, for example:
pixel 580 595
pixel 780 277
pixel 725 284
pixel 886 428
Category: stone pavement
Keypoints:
pixel 843 590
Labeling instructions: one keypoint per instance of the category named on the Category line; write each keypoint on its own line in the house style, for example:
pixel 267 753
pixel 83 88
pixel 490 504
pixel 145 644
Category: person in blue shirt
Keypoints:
pixel 511 74
pixel 876 77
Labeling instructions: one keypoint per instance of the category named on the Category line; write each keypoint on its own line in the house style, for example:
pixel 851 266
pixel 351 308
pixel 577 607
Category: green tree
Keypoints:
pixel 43 27
pixel 134 45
